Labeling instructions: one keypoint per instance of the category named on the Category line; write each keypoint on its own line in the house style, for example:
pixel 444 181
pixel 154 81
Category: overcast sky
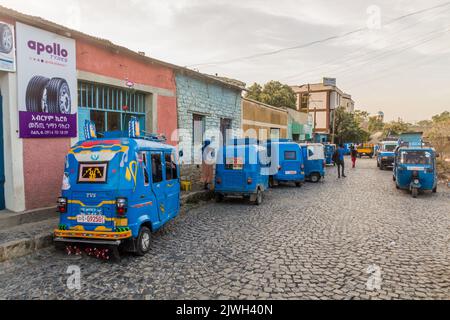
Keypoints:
pixel 402 68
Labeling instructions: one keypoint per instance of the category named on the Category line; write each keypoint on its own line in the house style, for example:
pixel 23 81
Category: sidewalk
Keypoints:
pixel 24 233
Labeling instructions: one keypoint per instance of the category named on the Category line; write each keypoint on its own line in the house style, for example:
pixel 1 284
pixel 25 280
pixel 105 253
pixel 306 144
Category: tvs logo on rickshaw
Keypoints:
pixel 93 173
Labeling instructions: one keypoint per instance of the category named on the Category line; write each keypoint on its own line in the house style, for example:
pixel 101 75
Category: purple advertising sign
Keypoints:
pixel 47 84
pixel 47 125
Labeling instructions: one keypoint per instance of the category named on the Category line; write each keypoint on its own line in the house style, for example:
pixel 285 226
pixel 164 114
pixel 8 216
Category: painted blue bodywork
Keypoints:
pixel 149 202
pixel 290 168
pixel 330 149
pixel 427 173
pixel 386 154
pixel 314 160
pixel 231 181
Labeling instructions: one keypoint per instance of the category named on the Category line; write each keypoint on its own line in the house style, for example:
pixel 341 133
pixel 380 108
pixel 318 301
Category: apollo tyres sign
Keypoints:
pixel 47 84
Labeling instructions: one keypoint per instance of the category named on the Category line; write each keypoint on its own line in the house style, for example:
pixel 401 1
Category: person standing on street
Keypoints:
pixel 340 161
pixel 208 156
pixel 354 153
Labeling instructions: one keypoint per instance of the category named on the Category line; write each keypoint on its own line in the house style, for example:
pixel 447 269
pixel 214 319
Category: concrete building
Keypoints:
pixel 263 121
pixel 209 108
pixel 320 100
pixel 97 80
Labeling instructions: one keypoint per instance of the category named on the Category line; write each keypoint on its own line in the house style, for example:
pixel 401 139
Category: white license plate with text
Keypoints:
pixel 94 219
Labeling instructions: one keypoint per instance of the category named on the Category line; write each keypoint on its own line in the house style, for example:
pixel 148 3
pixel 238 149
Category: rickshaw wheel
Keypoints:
pixel 143 241
pixel 435 190
pixel 415 192
pixel 315 178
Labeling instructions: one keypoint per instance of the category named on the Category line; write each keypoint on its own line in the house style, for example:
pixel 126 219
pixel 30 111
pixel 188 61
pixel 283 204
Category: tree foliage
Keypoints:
pixel 395 128
pixel 375 124
pixel 348 127
pixel 273 93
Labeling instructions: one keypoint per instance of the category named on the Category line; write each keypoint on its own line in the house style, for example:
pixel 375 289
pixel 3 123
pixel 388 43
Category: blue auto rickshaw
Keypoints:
pixel 330 149
pixel 415 166
pixel 314 160
pixel 288 157
pixel 386 154
pixel 118 191
pixel 242 171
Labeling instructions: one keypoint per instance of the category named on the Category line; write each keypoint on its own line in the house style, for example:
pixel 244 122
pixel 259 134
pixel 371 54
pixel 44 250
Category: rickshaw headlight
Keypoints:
pixel 62 205
pixel 416 181
pixel 121 206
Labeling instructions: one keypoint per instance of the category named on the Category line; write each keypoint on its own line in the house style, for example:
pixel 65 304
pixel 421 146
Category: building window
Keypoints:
pixel 99 118
pixel 199 129
pixel 275 133
pixel 107 106
pixel 304 101
pixel 225 126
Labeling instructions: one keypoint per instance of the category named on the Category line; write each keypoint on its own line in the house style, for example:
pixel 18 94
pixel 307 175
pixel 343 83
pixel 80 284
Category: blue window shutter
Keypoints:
pixel 83 115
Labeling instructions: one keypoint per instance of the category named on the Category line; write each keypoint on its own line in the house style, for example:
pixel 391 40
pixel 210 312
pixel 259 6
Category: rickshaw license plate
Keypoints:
pixel 416 169
pixel 291 172
pixel 94 219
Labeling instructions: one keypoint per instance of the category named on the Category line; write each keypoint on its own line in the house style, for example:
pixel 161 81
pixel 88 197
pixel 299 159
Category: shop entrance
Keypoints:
pixel 2 159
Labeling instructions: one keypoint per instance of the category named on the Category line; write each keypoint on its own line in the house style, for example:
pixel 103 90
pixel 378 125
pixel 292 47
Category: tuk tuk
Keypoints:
pixel 290 164
pixel 314 160
pixel 330 149
pixel 365 149
pixel 241 171
pixel 386 154
pixel 415 167
pixel 117 191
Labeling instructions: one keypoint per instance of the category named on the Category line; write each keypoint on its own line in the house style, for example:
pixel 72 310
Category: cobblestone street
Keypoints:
pixel 323 241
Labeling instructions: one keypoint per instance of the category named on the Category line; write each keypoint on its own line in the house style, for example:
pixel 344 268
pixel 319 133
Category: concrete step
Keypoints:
pixel 21 235
pixel 10 219
pixel 26 238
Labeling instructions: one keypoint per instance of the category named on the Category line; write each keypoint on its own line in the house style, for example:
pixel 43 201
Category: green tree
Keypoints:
pixel 254 92
pixel 375 124
pixel 274 93
pixel 395 128
pixel 348 127
pixel 444 116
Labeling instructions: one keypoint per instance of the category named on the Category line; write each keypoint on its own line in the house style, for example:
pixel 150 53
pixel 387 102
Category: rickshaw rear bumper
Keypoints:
pixel 91 236
pixel 88 241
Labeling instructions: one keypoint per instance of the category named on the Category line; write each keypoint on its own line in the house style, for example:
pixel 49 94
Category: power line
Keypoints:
pixel 308 44
pixel 356 53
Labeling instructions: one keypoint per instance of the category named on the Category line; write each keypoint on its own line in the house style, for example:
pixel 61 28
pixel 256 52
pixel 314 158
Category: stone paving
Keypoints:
pixel 354 238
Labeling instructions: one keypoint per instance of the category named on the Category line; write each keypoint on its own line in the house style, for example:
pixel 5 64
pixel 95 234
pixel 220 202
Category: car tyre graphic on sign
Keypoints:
pixel 6 39
pixel 48 95
pixel 58 96
pixel 36 96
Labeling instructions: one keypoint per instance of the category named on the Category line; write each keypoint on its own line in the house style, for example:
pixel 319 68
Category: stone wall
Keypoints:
pixel 211 100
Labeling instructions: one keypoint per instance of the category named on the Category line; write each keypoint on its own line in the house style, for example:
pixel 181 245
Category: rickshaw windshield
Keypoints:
pixel 390 147
pixel 416 157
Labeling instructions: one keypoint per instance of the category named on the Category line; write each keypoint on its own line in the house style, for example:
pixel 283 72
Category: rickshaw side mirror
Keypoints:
pixel 181 153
